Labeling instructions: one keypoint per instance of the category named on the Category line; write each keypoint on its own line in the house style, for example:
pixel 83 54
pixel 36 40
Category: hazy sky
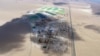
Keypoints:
pixel 2 2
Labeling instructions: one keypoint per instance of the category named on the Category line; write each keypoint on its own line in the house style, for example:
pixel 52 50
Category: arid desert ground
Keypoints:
pixel 15 37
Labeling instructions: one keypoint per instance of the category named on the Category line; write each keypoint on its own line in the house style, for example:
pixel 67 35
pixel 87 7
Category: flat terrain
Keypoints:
pixel 15 36
pixel 87 26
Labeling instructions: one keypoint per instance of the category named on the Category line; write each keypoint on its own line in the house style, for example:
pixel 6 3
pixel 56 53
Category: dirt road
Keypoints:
pixel 87 27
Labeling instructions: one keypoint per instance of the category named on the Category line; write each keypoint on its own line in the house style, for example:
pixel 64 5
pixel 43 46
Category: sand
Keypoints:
pixel 87 26
pixel 85 23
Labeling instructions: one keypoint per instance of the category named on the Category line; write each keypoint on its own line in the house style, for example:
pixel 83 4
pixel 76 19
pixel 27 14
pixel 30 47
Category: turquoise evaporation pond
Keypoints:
pixel 36 17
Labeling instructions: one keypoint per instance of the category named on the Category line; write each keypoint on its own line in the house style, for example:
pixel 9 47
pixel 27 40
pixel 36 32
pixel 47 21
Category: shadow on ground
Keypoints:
pixel 60 3
pixel 12 35
pixel 59 45
pixel 93 27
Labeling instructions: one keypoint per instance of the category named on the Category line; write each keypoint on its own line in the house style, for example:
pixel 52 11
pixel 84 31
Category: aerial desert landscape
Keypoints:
pixel 15 36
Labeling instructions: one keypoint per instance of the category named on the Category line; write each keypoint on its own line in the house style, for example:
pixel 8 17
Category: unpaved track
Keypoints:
pixel 85 24
pixel 8 13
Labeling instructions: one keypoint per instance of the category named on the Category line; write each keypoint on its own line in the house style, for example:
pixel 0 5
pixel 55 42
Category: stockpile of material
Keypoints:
pixel 48 31
pixel 51 35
